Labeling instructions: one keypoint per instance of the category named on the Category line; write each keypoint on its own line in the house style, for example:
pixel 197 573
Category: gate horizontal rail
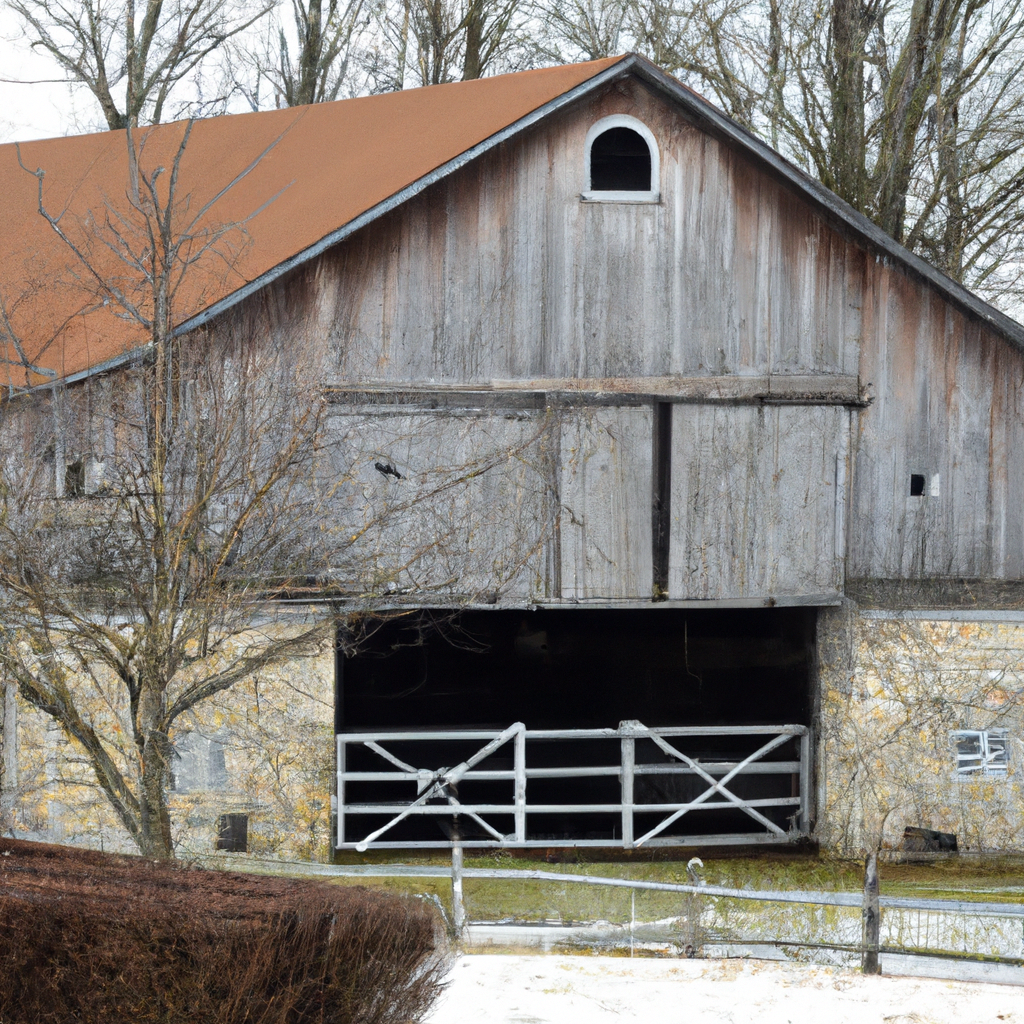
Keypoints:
pixel 440 784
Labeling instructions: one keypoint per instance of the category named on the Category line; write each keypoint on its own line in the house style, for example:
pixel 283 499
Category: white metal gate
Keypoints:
pixel 437 788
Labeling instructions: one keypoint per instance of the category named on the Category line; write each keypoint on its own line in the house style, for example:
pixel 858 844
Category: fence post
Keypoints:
pixel 458 907
pixel 805 782
pixel 872 917
pixel 520 784
pixel 626 774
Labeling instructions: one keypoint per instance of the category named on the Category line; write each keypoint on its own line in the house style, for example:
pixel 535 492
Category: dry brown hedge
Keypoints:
pixel 92 938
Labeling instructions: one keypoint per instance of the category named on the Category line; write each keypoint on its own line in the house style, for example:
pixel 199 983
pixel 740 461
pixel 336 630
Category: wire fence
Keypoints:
pixel 714 919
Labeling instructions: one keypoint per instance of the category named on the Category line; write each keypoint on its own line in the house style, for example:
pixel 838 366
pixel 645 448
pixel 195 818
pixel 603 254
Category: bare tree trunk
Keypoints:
pixel 310 53
pixel 9 766
pixel 847 155
pixel 775 73
pixel 947 128
pixel 872 917
pixel 905 106
pixel 472 63
pixel 154 758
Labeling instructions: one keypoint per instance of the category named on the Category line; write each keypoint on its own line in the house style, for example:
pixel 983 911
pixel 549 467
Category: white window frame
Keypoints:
pixel 588 195
pixel 993 758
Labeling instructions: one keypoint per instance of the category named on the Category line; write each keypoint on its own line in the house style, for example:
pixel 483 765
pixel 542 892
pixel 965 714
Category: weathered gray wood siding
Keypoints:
pixel 948 405
pixel 500 278
pixel 605 503
pixel 755 503
pixel 469 515
pixel 494 504
pixel 501 273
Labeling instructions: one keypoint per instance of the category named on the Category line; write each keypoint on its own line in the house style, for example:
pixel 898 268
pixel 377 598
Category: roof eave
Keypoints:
pixel 616 71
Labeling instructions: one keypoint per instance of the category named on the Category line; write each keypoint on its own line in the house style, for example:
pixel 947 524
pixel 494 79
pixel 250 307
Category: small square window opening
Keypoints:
pixel 916 485
pixel 981 752
pixel 233 833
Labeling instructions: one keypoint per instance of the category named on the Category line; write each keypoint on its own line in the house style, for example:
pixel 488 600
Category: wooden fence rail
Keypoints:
pixel 870 945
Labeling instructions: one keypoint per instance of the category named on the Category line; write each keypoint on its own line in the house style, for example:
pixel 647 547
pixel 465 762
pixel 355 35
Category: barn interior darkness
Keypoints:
pixel 576 669
pixel 580 669
pixel 620 161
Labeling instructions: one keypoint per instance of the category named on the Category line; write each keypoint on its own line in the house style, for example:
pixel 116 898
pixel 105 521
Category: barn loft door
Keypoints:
pixel 605 492
pixel 757 501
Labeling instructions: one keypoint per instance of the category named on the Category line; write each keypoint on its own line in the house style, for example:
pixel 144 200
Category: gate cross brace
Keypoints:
pixel 715 785
pixel 442 780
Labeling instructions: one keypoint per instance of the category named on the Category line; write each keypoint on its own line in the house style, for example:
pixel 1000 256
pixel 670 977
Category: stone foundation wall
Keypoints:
pixel 264 748
pixel 894 687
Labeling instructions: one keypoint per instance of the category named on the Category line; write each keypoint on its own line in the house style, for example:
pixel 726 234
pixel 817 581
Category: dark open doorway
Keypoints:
pixel 581 669
pixel 577 670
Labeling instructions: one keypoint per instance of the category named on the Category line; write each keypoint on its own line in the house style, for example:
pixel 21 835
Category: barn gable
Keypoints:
pixel 750 356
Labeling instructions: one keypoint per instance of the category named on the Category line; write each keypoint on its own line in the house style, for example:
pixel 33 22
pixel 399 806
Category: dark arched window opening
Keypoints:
pixel 620 161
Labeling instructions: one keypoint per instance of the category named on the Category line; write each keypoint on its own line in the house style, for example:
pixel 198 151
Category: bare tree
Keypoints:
pixel 436 41
pixel 197 507
pixel 312 57
pixel 911 112
pixel 488 33
pixel 151 525
pixel 133 59
pixel 581 29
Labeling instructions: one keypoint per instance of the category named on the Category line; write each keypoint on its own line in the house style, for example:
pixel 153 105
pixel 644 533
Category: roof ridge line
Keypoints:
pixel 339 234
pixel 722 124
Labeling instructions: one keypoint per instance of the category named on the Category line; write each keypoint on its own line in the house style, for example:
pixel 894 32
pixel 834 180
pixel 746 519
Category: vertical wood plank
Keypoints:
pixel 605 496
pixel 754 501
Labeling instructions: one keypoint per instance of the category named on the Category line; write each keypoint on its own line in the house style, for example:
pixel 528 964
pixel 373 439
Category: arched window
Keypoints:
pixel 621 162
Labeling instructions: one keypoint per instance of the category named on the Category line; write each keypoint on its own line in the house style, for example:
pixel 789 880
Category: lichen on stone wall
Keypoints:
pixel 273 731
pixel 894 688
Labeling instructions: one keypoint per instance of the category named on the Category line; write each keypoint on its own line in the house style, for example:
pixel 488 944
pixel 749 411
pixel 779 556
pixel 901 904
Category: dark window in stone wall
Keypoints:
pixel 233 833
pixel 620 161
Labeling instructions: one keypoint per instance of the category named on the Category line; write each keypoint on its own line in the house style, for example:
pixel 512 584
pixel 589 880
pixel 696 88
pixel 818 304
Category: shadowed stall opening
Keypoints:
pixel 577 670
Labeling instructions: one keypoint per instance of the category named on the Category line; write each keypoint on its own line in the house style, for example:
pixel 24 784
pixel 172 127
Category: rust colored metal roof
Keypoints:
pixel 299 175
pixel 301 180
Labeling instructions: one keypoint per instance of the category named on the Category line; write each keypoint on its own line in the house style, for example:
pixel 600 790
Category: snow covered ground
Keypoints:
pixel 499 989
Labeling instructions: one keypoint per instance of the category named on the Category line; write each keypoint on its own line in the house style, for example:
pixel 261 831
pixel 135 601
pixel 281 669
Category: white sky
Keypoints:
pixel 35 111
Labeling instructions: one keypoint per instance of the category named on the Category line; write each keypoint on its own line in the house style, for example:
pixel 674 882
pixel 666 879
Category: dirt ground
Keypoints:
pixel 505 989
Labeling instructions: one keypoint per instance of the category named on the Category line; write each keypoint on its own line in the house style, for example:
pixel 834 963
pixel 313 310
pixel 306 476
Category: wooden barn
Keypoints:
pixel 740 479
